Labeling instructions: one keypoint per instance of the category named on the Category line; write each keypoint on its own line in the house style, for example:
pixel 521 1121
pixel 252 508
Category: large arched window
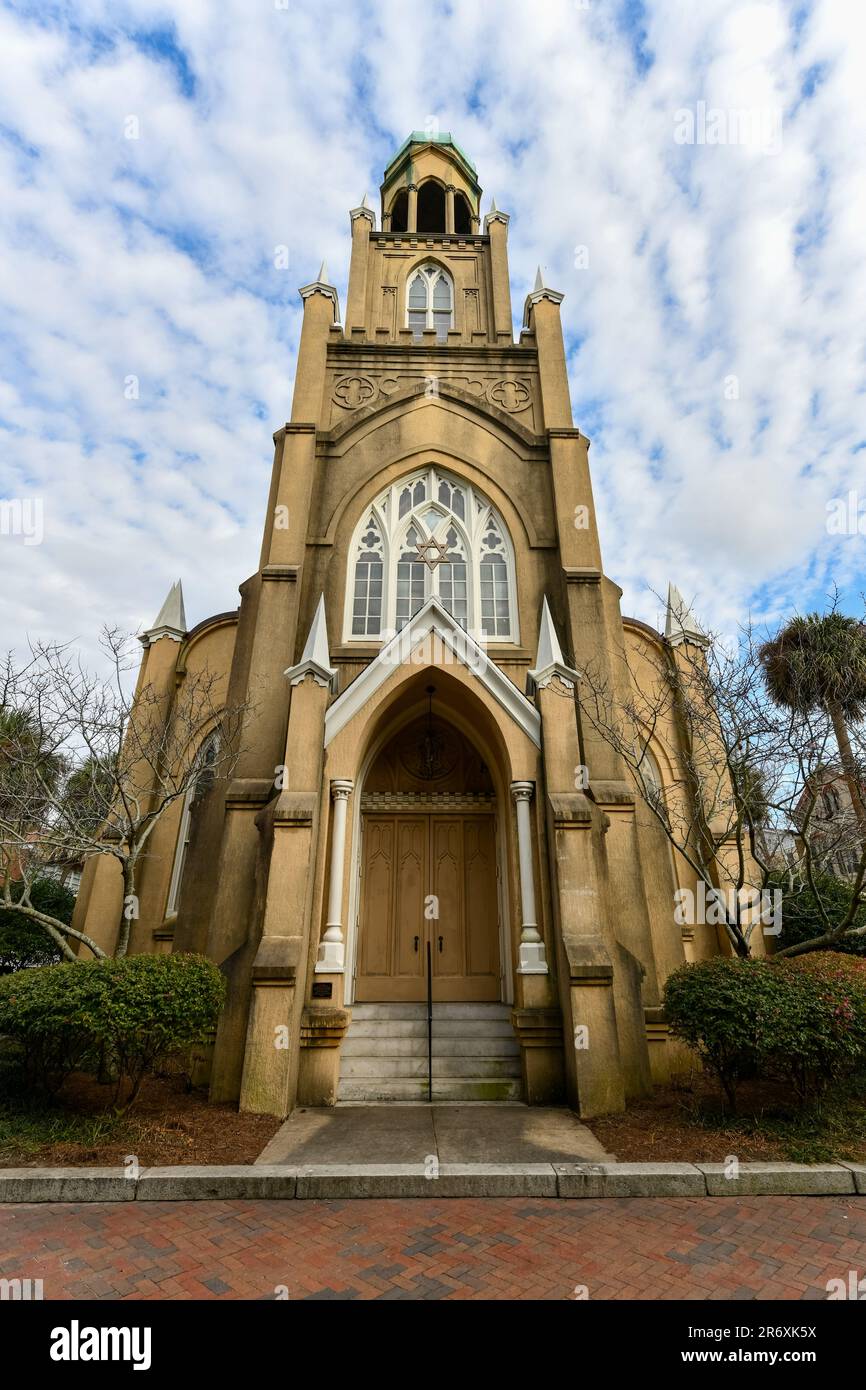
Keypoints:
pixel 430 301
pixel 431 533
pixel 205 762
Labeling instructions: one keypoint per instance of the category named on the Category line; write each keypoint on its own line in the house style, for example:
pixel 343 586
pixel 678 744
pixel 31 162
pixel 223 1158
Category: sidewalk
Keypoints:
pixel 453 1134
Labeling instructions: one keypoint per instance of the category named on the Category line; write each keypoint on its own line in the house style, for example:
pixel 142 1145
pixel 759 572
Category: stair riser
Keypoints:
pixel 469 1067
pixel 440 1011
pixel 442 1028
pixel 442 1047
pixel 453 1089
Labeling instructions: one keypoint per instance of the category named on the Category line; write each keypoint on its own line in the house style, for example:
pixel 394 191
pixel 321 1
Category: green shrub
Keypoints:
pixel 801 920
pixel 116 1017
pixel 822 1035
pixel 23 942
pixel 802 1020
pixel 723 1008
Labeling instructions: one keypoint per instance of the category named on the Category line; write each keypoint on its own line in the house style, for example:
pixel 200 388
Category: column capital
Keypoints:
pixel 341 788
pixel 522 791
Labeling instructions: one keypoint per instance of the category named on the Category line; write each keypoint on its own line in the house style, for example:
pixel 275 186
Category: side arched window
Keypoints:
pixel 430 302
pixel 205 764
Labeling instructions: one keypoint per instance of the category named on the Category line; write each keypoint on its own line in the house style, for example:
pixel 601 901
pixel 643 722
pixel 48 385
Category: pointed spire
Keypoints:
pixel 316 657
pixel 363 210
pixel 681 625
pixel 495 215
pixel 540 291
pixel 316 648
pixel 170 621
pixel 549 661
pixel 321 285
pixel 172 614
pixel 549 650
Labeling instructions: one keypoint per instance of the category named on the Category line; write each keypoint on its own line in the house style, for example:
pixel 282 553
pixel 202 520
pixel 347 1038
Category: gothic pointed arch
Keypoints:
pixel 431 206
pixel 431 534
pixel 205 759
pixel 430 301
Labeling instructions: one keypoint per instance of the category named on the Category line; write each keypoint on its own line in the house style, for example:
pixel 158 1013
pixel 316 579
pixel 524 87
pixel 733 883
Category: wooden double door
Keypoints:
pixel 428 878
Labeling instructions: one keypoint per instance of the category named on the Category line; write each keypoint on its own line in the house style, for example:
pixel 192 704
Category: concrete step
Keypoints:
pixel 452 1088
pixel 442 1028
pixel 476 1055
pixel 373 1045
pixel 440 1011
pixel 389 1067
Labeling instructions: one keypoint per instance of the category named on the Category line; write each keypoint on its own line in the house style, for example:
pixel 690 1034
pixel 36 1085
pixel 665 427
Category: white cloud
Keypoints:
pixel 153 258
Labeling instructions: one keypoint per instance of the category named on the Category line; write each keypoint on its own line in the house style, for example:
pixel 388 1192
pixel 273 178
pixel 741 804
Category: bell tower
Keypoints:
pixel 430 201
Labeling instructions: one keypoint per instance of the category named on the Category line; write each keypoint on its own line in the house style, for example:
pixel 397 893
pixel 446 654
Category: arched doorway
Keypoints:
pixel 429 869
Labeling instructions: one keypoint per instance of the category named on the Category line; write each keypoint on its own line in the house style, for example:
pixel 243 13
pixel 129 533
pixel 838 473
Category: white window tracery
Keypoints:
pixel 431 533
pixel 430 301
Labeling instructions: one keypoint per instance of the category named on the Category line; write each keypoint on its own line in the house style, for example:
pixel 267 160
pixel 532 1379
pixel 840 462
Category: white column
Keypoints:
pixel 532 957
pixel 332 949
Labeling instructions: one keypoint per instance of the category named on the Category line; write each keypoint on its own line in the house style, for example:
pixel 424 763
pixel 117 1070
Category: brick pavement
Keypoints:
pixel 763 1248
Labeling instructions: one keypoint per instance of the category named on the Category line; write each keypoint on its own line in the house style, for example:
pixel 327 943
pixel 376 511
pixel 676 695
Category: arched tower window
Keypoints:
pixel 462 215
pixel 430 301
pixel 431 207
pixel 205 762
pixel 431 533
pixel 400 212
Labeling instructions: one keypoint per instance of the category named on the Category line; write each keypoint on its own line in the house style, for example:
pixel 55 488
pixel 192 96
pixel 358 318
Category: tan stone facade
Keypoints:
pixel 430 585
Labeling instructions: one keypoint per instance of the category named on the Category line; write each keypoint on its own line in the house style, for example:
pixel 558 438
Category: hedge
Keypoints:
pixel 801 1020
pixel 114 1017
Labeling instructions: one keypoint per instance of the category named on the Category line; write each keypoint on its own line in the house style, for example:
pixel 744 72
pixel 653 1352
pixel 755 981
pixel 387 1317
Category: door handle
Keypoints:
pixel 440 944
pixel 417 939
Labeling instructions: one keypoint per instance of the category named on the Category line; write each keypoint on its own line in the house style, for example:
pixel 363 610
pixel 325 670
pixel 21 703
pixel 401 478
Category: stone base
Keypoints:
pixel 539 1032
pixel 322 1032
pixel 533 960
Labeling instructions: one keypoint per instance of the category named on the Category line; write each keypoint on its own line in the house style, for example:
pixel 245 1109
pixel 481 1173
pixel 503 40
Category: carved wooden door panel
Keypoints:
pixel 463 888
pixel 428 878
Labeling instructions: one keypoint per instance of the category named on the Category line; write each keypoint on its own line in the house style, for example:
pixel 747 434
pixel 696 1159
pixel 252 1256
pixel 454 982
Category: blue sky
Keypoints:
pixel 153 156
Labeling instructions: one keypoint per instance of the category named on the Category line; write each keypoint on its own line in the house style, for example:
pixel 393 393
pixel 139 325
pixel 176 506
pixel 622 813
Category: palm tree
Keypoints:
pixel 819 662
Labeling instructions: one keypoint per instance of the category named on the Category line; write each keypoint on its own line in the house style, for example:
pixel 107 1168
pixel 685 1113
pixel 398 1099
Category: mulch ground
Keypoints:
pixel 687 1124
pixel 168 1125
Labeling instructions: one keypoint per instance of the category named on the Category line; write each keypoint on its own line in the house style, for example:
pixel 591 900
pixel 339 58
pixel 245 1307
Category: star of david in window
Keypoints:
pixel 432 552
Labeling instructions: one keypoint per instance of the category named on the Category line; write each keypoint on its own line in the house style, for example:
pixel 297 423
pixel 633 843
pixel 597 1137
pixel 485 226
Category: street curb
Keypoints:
pixel 409 1180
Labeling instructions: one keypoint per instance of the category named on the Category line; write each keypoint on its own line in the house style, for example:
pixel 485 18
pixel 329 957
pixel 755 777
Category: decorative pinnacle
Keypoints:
pixel 681 625
pixel 170 621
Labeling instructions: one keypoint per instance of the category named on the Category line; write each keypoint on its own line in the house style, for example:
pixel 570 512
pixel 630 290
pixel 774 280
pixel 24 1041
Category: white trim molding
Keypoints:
pixel 332 948
pixel 433 618
pixel 532 957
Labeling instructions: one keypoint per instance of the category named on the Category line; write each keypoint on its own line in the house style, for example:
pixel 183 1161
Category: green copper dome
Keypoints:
pixel 421 137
